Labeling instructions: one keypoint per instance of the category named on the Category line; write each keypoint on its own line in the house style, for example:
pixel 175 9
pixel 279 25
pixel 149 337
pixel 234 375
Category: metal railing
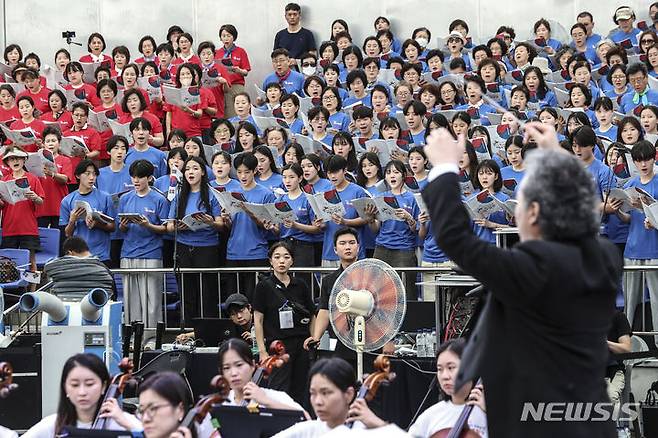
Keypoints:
pixel 315 273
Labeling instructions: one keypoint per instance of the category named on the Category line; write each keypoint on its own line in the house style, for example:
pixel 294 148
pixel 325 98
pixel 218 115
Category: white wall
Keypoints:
pixel 37 24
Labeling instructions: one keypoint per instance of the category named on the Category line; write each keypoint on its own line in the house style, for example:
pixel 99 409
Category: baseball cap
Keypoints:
pixel 624 13
pixel 236 299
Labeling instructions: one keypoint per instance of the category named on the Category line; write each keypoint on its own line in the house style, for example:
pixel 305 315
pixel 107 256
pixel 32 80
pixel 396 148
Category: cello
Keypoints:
pixel 6 379
pixel 203 406
pixel 277 358
pixel 460 429
pixel 381 375
pixel 114 390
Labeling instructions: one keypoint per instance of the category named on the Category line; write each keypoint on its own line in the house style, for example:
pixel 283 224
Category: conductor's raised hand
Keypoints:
pixel 543 134
pixel 442 148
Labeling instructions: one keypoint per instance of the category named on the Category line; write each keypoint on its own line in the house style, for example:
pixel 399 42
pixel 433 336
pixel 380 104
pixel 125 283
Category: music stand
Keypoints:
pixel 74 432
pixel 238 422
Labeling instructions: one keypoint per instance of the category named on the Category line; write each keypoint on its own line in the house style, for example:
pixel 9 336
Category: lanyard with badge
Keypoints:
pixel 285 316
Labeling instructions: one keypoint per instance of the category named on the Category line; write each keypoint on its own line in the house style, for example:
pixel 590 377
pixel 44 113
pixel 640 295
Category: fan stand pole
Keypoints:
pixel 359 343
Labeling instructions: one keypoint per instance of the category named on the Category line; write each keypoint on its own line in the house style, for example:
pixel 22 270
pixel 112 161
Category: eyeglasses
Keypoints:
pixel 308 64
pixel 403 94
pixel 618 77
pixel 454 40
pixel 328 97
pixel 636 80
pixel 648 41
pixel 151 410
pixel 447 91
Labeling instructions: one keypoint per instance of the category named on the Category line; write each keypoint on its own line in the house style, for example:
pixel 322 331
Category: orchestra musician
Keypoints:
pixel 84 380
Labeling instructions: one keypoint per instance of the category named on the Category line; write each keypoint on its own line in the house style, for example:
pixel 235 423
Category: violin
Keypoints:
pixel 381 375
pixel 460 429
pixel 6 379
pixel 203 406
pixel 277 358
pixel 115 389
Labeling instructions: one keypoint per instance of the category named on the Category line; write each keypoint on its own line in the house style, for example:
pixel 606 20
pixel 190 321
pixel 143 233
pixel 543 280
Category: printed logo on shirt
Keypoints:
pixel 80 93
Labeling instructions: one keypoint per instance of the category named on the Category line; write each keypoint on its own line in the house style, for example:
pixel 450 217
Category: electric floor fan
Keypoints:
pixel 367 306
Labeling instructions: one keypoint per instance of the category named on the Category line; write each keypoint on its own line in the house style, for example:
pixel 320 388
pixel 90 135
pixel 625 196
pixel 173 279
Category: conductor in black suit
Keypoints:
pixel 541 337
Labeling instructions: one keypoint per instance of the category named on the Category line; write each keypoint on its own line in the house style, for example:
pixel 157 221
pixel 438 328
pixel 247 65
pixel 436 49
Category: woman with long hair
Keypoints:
pixel 83 382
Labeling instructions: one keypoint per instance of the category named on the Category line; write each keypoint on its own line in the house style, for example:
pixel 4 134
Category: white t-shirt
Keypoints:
pixel 443 415
pixel 388 431
pixel 46 427
pixel 7 433
pixel 206 428
pixel 316 428
pixel 277 396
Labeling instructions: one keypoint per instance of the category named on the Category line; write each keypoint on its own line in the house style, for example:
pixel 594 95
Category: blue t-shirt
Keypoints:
pixel 201 237
pixel 304 214
pixel 140 242
pixel 642 244
pixel 610 134
pixel 153 155
pixel 296 126
pixel 97 239
pixel 627 104
pixel 603 177
pixel 498 217
pixel 339 121
pixel 508 172
pixel 351 191
pixel 231 186
pixel 293 83
pixel 619 35
pixel 275 181
pixel 112 183
pixel 431 251
pixel 397 234
pixel 247 240
pixel 418 139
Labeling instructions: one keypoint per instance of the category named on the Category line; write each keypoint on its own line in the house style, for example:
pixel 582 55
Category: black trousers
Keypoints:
pixel 115 253
pixel 292 377
pixel 247 280
pixel 200 291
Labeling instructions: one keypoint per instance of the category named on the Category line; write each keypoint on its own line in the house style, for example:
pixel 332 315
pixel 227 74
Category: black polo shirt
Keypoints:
pixel 268 302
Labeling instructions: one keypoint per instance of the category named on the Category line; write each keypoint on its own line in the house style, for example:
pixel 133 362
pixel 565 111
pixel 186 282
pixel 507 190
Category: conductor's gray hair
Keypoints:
pixel 565 192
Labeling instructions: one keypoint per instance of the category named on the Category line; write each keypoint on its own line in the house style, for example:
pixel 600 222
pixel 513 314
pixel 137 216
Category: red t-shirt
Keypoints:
pixel 65 120
pixel 239 59
pixel 185 121
pixel 89 93
pixel 20 219
pixel 54 190
pixel 156 125
pixel 106 58
pixel 91 138
pixel 40 99
pixel 194 59
pixel 218 91
pixel 207 101
pixel 37 126
pixel 107 134
pixel 9 115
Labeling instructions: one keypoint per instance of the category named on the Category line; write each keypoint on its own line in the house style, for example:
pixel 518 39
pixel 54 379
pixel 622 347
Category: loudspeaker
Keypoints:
pixel 22 408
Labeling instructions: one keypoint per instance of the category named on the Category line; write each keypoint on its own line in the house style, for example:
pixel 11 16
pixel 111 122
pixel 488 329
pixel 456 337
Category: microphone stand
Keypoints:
pixel 176 260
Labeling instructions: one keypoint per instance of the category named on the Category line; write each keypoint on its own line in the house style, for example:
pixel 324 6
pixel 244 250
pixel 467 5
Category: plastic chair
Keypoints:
pixel 49 239
pixel 22 259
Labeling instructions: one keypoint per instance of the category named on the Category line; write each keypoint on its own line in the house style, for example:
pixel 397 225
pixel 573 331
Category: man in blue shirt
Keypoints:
pixel 140 129
pixel 88 223
pixel 142 248
pixel 336 167
pixel 585 18
pixel 625 17
pixel 640 93
pixel 642 244
pixel 290 80
pixel 295 39
pixel 247 242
